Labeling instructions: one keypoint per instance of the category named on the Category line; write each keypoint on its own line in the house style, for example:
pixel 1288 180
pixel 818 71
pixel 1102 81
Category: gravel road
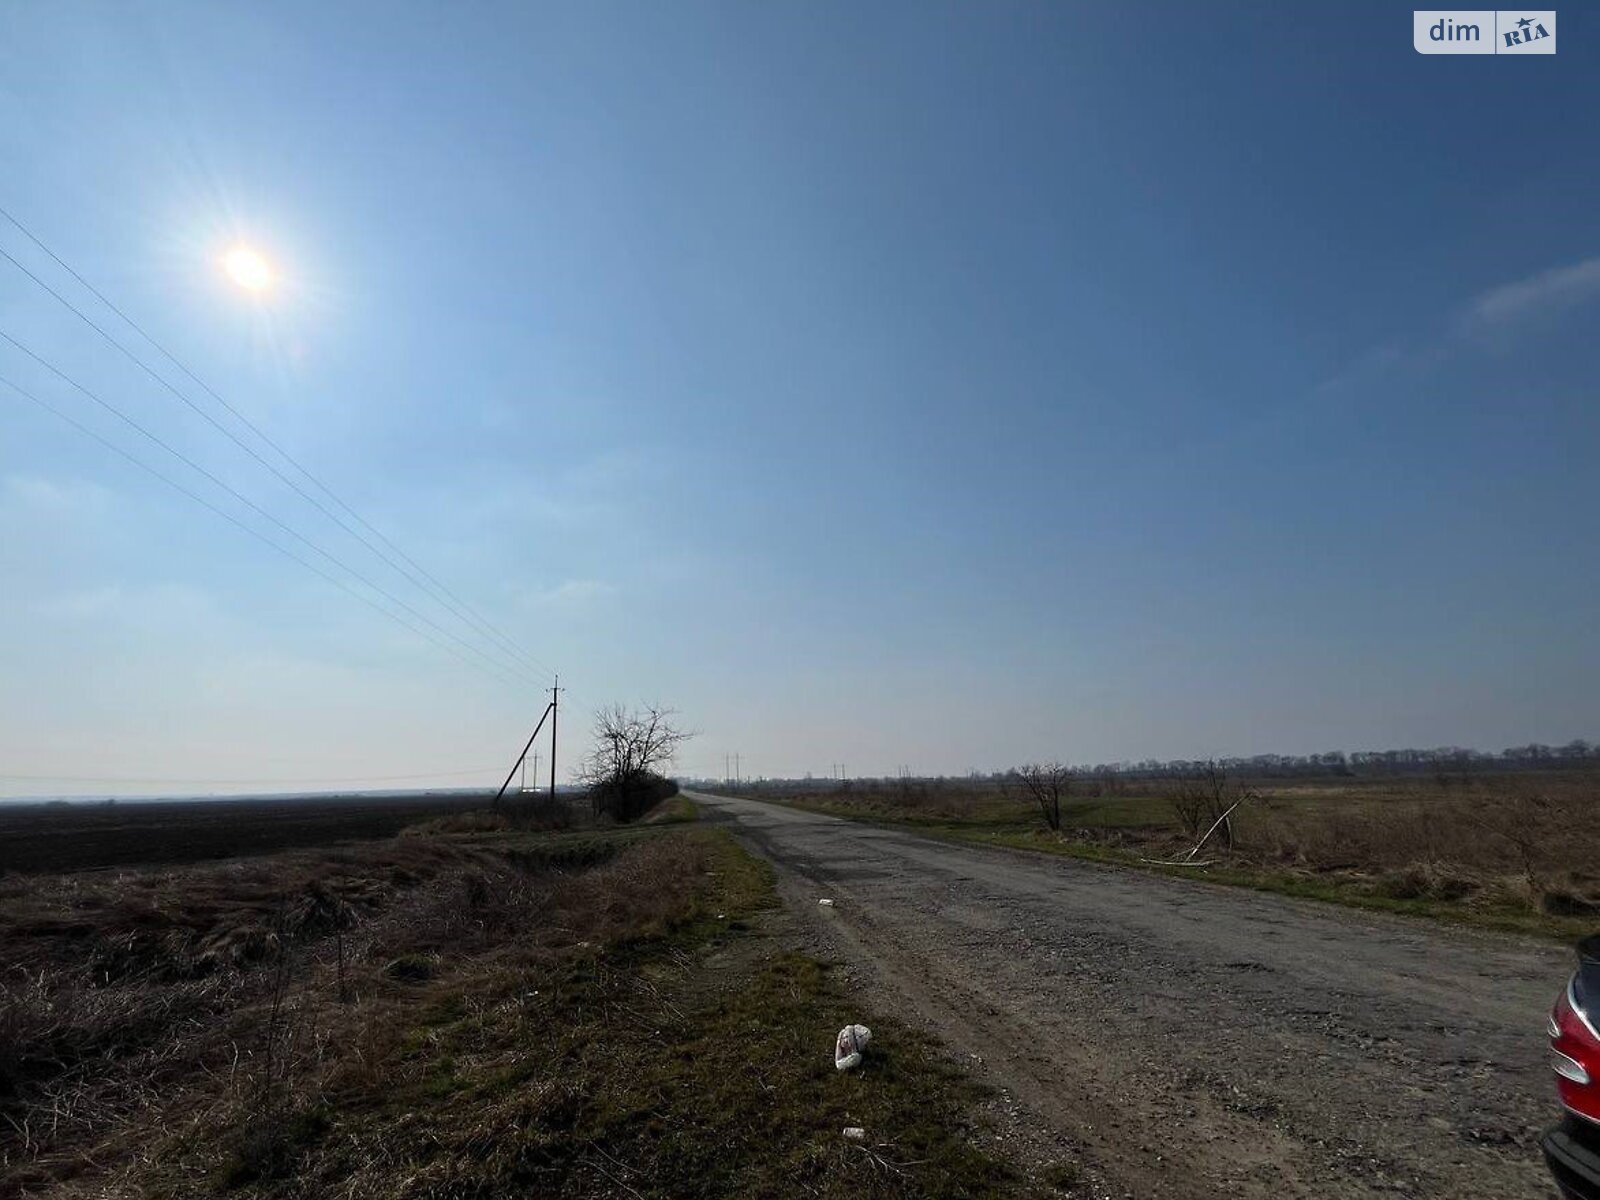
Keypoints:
pixel 1185 1039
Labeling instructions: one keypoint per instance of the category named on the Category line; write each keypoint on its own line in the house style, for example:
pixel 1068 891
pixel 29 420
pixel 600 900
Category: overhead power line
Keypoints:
pixel 494 670
pixel 242 498
pixel 243 782
pixel 407 566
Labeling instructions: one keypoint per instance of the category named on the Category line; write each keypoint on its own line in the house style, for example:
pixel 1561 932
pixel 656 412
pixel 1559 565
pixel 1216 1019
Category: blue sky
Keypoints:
pixel 941 385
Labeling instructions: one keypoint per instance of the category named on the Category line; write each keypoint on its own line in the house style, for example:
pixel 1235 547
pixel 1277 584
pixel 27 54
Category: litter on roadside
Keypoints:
pixel 825 902
pixel 855 1133
pixel 847 1048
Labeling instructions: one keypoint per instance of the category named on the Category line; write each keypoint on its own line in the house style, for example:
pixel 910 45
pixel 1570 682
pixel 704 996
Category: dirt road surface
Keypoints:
pixel 1184 1039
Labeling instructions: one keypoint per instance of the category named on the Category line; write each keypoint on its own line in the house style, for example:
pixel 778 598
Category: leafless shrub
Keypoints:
pixel 632 748
pixel 1046 785
pixel 1530 829
pixel 1204 800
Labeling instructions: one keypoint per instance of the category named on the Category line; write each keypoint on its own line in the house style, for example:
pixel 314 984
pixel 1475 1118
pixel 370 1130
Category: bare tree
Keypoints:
pixel 632 748
pixel 1206 798
pixel 1047 785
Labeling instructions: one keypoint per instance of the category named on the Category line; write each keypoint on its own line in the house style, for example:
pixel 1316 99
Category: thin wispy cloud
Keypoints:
pixel 1500 308
pixel 1548 291
pixel 573 591
pixel 1545 292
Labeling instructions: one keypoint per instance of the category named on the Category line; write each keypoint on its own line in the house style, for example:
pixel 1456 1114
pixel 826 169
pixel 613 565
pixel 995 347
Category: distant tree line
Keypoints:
pixel 1456 759
pixel 1443 762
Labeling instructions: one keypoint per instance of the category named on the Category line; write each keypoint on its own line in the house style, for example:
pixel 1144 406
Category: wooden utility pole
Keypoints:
pixel 555 703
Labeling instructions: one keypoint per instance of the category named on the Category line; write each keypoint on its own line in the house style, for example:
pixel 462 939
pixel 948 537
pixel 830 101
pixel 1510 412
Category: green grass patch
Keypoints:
pixel 678 810
pixel 745 884
pixel 738 1097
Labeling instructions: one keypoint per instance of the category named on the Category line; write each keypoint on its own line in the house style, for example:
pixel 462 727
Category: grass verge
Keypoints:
pixel 584 1014
pixel 1352 891
pixel 690 1061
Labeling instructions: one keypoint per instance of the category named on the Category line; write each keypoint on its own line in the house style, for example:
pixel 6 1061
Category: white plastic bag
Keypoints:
pixel 847 1048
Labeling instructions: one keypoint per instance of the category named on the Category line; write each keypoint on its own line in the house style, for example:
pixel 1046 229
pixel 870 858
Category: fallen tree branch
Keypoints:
pixel 1189 860
pixel 1213 829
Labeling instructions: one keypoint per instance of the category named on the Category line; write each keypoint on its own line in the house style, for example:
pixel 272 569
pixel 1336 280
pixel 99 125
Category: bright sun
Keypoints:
pixel 248 269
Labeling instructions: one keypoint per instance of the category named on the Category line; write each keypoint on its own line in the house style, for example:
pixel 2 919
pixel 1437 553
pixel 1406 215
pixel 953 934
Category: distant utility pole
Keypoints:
pixel 555 704
pixel 736 769
pixel 727 774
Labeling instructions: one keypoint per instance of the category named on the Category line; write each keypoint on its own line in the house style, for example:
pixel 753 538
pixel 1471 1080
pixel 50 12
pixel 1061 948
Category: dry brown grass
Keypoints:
pixel 1539 850
pixel 140 1000
pixel 533 812
pixel 498 1015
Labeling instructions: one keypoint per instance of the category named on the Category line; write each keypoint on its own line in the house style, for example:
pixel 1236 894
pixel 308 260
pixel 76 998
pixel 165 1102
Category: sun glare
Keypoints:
pixel 248 269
